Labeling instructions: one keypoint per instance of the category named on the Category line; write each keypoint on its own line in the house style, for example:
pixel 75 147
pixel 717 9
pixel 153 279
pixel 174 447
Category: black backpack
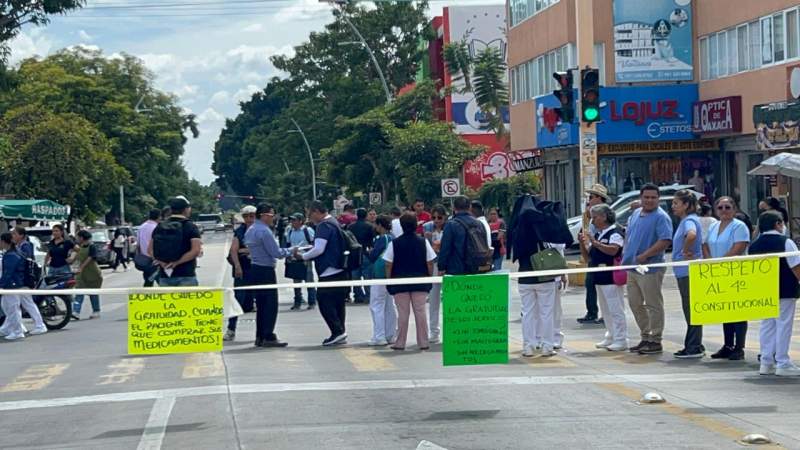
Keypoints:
pixel 353 254
pixel 168 241
pixel 32 272
pixel 477 254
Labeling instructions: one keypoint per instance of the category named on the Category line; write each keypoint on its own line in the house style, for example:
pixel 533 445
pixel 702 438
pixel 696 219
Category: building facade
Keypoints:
pixel 681 80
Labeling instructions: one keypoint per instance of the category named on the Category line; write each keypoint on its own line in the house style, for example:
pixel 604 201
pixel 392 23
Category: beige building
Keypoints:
pixel 736 52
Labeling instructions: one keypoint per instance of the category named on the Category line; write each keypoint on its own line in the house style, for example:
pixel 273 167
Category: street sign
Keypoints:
pixel 375 198
pixel 451 187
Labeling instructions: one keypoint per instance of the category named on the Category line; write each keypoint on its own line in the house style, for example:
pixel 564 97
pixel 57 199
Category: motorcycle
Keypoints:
pixel 56 310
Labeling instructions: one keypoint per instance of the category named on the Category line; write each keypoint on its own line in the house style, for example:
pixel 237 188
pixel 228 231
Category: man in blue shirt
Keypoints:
pixel 299 235
pixel 454 239
pixel 647 238
pixel 327 254
pixel 264 253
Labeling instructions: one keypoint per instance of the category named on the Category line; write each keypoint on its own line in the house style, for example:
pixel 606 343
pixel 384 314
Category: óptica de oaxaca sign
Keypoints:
pixel 717 116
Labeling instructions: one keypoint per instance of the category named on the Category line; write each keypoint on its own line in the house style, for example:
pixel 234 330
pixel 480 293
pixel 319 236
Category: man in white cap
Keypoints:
pixel 598 194
pixel 239 258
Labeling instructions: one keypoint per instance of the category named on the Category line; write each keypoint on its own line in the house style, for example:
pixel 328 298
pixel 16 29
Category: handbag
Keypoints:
pixel 620 276
pixel 548 258
pixel 295 270
pixel 142 262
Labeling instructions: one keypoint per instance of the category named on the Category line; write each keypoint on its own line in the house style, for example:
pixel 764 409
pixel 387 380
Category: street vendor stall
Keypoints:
pixel 31 211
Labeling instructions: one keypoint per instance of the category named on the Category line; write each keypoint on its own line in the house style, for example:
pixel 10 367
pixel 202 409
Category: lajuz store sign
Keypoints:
pixel 718 116
pixel 647 113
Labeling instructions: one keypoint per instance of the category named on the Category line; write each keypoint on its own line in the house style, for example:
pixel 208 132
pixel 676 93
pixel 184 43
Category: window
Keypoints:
pixel 704 62
pixel 733 53
pixel 777 38
pixel 523 9
pixel 722 42
pixel 766 40
pixel 742 47
pixel 713 56
pixel 600 61
pixel 754 36
pixel 792 34
pixel 531 68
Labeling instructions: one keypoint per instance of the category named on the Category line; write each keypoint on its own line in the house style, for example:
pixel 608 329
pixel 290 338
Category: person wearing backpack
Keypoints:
pixel 12 278
pixel 31 274
pixel 299 235
pixel 465 249
pixel 88 275
pixel 381 304
pixel 176 244
pixel 330 263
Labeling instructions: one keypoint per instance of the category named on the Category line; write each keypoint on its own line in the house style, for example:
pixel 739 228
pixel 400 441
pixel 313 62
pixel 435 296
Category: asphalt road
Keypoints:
pixel 78 389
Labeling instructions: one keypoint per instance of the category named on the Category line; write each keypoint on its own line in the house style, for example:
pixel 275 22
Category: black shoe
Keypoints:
pixel 310 307
pixel 272 343
pixel 335 340
pixel 724 352
pixel 258 342
pixel 684 354
pixel 651 348
pixel 587 319
pixel 737 355
pixel 637 347
pixel 295 308
pixel 362 301
pixel 75 316
pixel 600 321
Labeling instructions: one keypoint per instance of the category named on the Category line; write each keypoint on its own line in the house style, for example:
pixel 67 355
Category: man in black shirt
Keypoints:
pixel 365 234
pixel 176 244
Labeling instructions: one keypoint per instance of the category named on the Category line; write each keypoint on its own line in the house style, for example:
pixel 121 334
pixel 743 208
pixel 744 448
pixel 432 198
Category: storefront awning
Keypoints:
pixel 786 164
pixel 33 210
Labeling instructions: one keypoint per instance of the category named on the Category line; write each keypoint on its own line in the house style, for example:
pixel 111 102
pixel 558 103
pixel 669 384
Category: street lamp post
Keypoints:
pixel 363 42
pixel 310 157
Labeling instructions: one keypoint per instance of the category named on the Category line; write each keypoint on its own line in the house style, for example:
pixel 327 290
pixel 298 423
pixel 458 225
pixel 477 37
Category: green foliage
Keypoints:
pixel 16 13
pixel 503 192
pixel 459 63
pixel 147 145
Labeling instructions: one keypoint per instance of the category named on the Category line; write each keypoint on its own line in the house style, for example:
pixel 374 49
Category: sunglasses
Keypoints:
pixel 438 218
pixel 724 207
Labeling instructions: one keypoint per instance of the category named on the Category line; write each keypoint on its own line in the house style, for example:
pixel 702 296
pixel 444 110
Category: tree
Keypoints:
pixel 502 193
pixel 483 75
pixel 62 157
pixel 16 13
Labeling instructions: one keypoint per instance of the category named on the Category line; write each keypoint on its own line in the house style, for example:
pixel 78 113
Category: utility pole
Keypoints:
pixel 122 205
pixel 587 138
pixel 310 157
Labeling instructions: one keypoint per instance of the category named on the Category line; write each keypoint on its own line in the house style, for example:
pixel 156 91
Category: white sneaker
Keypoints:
pixel 15 336
pixel 548 351
pixel 229 335
pixel 377 342
pixel 391 340
pixel 528 352
pixel 94 315
pixel 791 371
pixel 766 369
pixel 603 344
pixel 38 330
pixel 434 339
pixel 617 347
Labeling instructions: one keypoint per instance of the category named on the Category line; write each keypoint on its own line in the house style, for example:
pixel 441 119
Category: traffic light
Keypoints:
pixel 565 96
pixel 590 95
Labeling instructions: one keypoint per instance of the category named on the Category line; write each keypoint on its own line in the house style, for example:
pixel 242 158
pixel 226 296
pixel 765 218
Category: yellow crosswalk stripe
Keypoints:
pixel 35 378
pixel 203 365
pixel 367 359
pixel 123 371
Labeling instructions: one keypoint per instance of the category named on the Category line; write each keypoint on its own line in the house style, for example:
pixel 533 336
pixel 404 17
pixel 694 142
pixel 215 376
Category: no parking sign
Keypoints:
pixel 451 187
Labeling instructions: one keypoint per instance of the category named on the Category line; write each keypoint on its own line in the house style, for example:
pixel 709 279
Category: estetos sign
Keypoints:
pixel 720 115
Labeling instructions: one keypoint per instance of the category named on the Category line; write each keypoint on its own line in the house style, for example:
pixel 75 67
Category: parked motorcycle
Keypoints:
pixel 56 310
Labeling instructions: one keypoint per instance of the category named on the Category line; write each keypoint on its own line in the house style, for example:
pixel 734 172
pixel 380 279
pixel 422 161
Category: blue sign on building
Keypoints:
pixel 646 113
pixel 550 131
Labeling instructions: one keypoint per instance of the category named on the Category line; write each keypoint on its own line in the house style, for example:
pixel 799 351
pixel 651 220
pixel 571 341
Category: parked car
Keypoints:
pixel 39 249
pixel 210 222
pixel 102 243
pixel 45 234
pixel 621 206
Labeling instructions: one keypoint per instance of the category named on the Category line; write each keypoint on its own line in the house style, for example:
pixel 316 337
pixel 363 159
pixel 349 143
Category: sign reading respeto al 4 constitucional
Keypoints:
pixel 475 319
pixel 175 322
pixel 734 291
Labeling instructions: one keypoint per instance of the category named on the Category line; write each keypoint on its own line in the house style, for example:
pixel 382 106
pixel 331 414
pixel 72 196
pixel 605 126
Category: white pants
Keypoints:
pixel 13 322
pixel 384 313
pixel 558 336
pixel 26 302
pixel 434 305
pixel 776 335
pixel 538 301
pixel 611 299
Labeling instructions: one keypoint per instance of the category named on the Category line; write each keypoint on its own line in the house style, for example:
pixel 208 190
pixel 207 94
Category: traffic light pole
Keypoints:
pixel 587 138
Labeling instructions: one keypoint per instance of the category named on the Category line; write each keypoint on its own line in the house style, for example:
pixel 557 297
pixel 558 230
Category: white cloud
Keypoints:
pixel 84 36
pixel 254 28
pixel 220 98
pixel 245 93
pixel 30 44
pixel 210 115
pixel 302 11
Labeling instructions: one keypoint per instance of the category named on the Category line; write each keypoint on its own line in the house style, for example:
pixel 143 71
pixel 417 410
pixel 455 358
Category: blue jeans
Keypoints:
pixel 77 302
pixel 365 271
pixel 52 271
pixel 497 263
pixel 312 292
pixel 177 281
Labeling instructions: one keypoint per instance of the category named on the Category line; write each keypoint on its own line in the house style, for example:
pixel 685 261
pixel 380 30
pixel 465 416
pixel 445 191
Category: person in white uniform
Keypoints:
pixel 600 250
pixel 12 278
pixel 775 334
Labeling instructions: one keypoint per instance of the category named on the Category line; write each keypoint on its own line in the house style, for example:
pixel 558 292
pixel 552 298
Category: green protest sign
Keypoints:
pixel 475 319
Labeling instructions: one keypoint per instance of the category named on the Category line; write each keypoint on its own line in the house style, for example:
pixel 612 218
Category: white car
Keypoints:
pixel 622 202
pixel 210 222
pixel 39 250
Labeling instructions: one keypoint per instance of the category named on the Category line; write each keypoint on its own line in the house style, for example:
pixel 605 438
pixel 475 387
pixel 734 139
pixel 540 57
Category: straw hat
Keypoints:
pixel 600 191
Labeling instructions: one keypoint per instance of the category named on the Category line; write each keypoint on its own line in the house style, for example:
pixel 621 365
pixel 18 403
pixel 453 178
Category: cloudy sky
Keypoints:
pixel 212 54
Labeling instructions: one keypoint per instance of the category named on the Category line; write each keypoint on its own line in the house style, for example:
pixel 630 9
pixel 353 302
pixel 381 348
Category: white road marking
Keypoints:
pixel 428 445
pixel 156 426
pixel 373 385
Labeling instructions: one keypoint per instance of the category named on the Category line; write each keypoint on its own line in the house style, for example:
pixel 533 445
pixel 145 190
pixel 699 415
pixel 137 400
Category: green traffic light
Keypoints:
pixel 590 114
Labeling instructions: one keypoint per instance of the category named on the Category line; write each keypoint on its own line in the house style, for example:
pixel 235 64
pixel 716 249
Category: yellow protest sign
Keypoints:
pixel 733 291
pixel 174 322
